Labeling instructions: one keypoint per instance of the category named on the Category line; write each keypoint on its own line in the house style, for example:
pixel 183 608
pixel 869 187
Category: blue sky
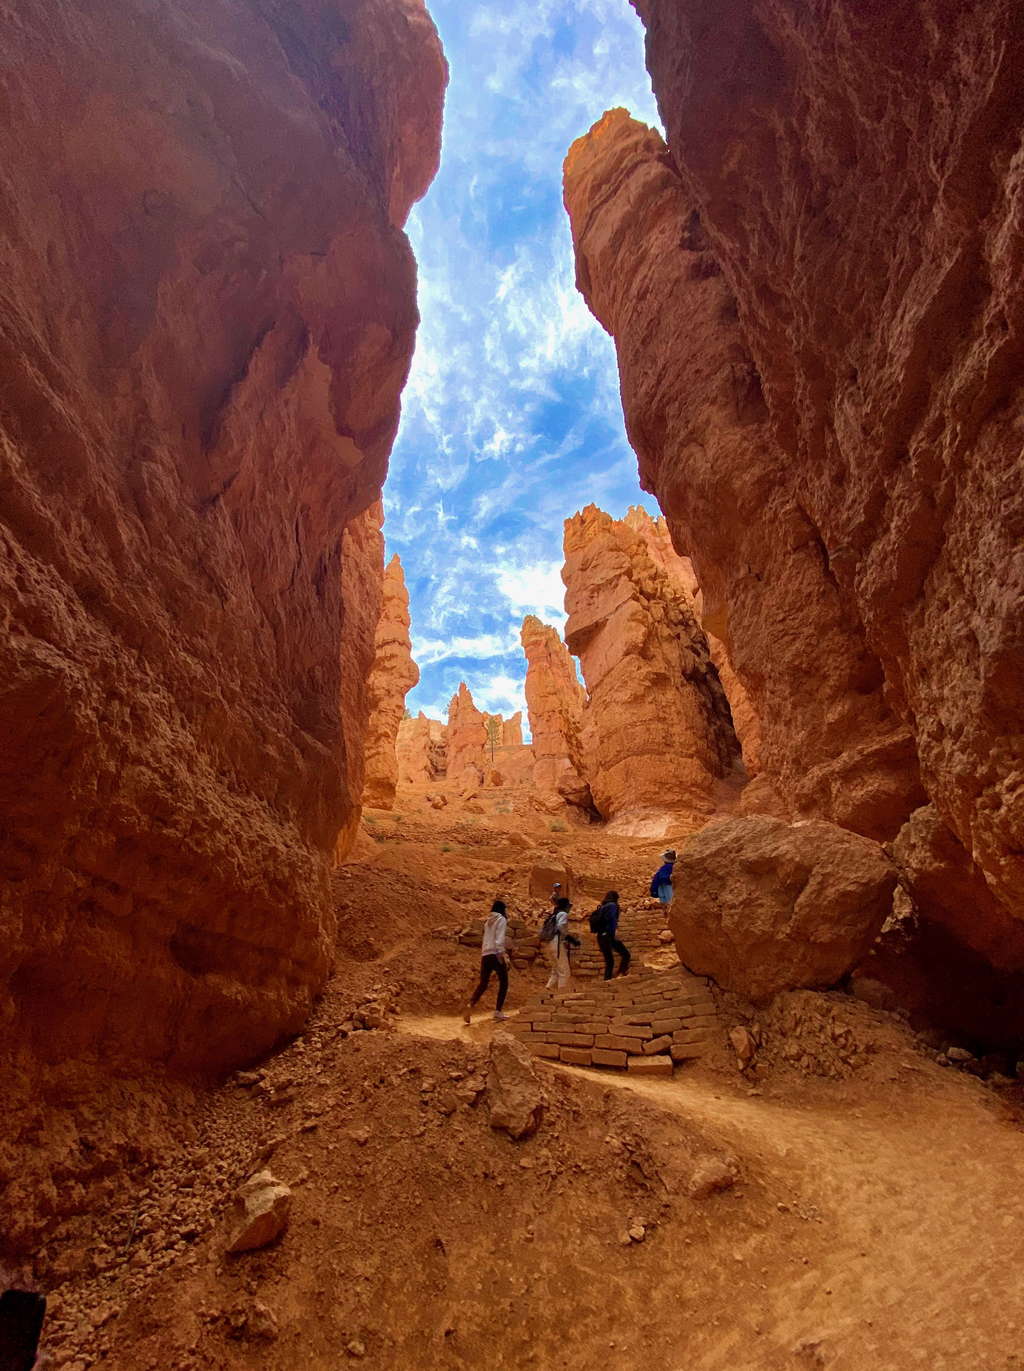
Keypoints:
pixel 511 418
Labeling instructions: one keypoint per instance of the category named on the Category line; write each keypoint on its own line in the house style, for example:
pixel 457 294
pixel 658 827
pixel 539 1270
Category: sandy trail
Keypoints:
pixel 910 1254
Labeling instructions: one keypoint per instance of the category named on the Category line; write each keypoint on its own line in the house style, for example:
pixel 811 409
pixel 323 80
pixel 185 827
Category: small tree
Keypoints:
pixel 493 727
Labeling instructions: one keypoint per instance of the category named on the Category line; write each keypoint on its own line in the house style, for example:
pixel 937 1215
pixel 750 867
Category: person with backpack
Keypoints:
pixel 604 922
pixel 661 882
pixel 493 961
pixel 556 939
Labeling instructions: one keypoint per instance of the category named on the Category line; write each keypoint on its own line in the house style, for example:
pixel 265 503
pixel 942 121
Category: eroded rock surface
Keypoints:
pixel 656 732
pixel 702 431
pixel 745 720
pixel 208 315
pixel 764 906
pixel 882 309
pixel 555 700
pixel 393 675
pixel 421 750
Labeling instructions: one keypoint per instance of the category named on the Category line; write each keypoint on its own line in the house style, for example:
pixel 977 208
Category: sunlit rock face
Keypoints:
pixel 555 701
pixel 744 716
pixel 830 745
pixel 656 736
pixel 393 675
pixel 856 176
pixel 421 750
pixel 208 315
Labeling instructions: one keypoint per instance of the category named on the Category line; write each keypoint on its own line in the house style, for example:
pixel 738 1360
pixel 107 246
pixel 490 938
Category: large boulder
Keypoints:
pixel 763 906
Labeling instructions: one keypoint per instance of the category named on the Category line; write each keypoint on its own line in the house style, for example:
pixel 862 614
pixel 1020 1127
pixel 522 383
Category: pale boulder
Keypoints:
pixel 763 906
pixel 259 1213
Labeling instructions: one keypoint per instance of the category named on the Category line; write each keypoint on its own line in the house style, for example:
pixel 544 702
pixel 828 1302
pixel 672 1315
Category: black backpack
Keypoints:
pixel 550 928
pixel 599 920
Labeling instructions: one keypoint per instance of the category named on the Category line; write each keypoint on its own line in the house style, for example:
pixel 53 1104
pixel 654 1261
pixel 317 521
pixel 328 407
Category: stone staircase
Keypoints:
pixel 644 1022
pixel 641 926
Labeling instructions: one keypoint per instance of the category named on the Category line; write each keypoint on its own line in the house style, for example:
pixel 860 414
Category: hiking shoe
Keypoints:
pixel 467 1016
pixel 499 1016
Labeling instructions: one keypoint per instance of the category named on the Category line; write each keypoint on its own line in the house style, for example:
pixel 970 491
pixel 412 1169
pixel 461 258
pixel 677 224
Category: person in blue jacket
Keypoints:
pixel 606 919
pixel 661 884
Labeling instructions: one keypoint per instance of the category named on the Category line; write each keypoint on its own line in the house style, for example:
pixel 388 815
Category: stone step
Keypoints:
pixel 659 1017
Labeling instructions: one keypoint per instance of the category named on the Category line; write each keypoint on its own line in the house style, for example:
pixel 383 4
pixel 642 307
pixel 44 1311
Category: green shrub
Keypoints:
pixel 556 827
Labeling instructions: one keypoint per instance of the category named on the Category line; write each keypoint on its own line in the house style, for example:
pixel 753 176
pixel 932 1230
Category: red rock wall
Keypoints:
pixel 697 419
pixel 745 720
pixel 856 169
pixel 555 700
pixel 393 675
pixel 656 735
pixel 206 321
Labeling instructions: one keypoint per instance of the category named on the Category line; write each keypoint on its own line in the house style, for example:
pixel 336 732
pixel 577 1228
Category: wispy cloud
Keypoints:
pixel 511 418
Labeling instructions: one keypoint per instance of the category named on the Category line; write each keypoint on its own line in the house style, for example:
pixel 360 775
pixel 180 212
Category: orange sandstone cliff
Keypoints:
pixel 680 569
pixel 207 317
pixel 555 701
pixel 656 734
pixel 393 675
pixel 849 177
pixel 698 420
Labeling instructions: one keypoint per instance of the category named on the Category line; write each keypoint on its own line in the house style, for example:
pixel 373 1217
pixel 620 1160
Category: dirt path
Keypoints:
pixel 911 1249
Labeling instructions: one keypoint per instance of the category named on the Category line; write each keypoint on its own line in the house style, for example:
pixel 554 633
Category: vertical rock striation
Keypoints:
pixel 700 426
pixel 393 675
pixel 555 701
pixel 207 318
pixel 656 733
pixel 421 750
pixel 745 721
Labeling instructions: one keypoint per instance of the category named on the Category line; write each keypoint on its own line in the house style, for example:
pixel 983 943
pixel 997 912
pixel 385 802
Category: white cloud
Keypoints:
pixel 511 416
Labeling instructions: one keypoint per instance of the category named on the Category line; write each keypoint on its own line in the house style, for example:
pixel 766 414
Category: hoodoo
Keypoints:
pixel 555 700
pixel 209 312
pixel 656 731
pixel 393 675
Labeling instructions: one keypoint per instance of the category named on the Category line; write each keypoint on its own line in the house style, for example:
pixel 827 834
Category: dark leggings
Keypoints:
pixel 609 946
pixel 488 964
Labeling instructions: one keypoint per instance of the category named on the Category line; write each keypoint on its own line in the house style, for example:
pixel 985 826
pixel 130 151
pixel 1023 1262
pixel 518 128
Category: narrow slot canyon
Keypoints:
pixel 453 525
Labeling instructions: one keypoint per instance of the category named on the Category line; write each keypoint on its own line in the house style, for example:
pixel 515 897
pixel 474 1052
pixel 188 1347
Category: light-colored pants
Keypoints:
pixel 665 893
pixel 558 959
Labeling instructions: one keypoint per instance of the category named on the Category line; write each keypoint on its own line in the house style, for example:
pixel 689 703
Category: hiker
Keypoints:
pixel 493 958
pixel 661 884
pixel 605 923
pixel 557 939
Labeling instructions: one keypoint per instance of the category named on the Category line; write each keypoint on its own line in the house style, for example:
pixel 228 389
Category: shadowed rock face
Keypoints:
pixel 830 745
pixel 857 173
pixel 206 321
pixel 393 675
pixel 656 735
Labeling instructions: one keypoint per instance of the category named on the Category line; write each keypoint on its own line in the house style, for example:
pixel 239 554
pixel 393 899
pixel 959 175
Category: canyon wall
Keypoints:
pixel 745 721
pixel 849 177
pixel 555 701
pixel 695 414
pixel 655 734
pixel 393 675
pixel 207 317
pixel 421 749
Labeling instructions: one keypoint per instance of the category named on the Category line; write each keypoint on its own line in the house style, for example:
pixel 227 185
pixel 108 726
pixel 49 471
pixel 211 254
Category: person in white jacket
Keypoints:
pixel 493 959
pixel 558 947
